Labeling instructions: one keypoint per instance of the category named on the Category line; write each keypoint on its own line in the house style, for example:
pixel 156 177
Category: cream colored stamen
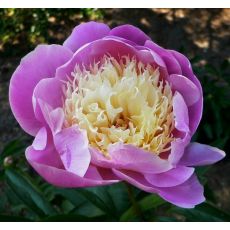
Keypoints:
pixel 121 102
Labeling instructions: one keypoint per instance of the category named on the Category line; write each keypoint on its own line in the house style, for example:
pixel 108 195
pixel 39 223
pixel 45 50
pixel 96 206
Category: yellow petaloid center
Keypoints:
pixel 121 102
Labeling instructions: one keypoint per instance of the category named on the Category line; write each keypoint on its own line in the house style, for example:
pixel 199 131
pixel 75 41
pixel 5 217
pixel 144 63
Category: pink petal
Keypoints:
pixel 131 33
pixel 195 111
pixel 92 173
pixel 136 179
pixel 186 68
pixel 93 52
pixel 180 111
pixel 170 178
pixel 199 154
pixel 50 91
pixel 72 145
pixel 47 156
pixel 183 137
pixel 47 91
pixel 177 149
pixel 185 195
pixel 38 64
pixel 172 64
pixel 60 177
pixel 122 156
pixel 122 39
pixel 186 88
pixel 85 33
pixel 54 118
pixel 107 174
pixel 40 140
pixel 195 114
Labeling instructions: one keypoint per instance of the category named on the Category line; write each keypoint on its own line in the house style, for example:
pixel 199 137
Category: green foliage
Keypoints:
pixel 13 148
pixel 22 29
pixel 148 203
pixel 205 212
pixel 214 127
pixel 28 194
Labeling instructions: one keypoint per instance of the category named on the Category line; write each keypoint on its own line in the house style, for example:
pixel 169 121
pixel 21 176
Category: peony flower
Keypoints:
pixel 111 105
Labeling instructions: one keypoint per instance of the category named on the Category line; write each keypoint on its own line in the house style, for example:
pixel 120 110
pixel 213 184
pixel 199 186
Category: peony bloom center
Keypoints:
pixel 123 101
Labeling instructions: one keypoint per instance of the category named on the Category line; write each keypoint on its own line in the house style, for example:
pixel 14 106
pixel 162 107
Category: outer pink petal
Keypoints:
pixel 182 132
pixel 186 68
pixel 47 156
pixel 185 195
pixel 50 92
pixel 92 173
pixel 131 158
pixel 192 97
pixel 136 179
pixel 58 176
pixel 72 145
pixel 85 33
pixel 195 111
pixel 195 114
pixel 171 62
pixel 95 51
pixel 40 63
pixel 131 33
pixel 180 111
pixel 170 178
pixel 53 118
pixel 187 88
pixel 177 149
pixel 56 120
pixel 41 139
pixel 122 39
pixel 47 103
pixel 199 154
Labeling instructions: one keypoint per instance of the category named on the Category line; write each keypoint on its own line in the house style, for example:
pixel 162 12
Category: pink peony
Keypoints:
pixel 111 105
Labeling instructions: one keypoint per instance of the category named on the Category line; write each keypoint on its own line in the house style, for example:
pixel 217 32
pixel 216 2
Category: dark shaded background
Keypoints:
pixel 202 35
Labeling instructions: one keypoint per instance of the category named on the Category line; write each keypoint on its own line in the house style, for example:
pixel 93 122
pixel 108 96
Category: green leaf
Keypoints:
pixel 72 195
pixel 2 174
pixel 110 200
pixel 15 147
pixel 3 201
pixel 6 218
pixel 205 212
pixel 87 209
pixel 147 203
pixel 28 193
pixel 208 130
pixel 166 219
pixel 119 195
pixel 202 170
pixel 92 195
pixel 82 206
pixel 73 218
pixel 47 190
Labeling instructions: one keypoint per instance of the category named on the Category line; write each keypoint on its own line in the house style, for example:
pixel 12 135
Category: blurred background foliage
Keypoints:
pixel 202 35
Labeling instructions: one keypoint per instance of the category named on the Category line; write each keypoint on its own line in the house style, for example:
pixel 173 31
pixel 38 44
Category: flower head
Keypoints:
pixel 123 101
pixel 112 105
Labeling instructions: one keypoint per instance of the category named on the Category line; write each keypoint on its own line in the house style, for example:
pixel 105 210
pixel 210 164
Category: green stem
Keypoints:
pixel 133 201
